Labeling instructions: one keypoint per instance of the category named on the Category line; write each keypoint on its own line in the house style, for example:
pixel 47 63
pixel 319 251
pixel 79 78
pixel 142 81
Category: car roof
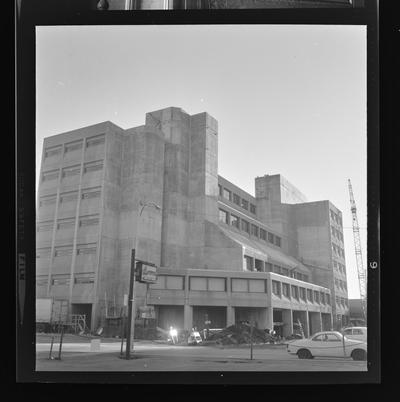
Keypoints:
pixel 327 332
pixel 355 328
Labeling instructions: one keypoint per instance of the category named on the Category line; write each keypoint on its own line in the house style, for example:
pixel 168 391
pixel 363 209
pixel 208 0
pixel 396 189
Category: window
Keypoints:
pixel 95 141
pixel 50 175
pixel 328 298
pixel 43 252
pixel 277 269
pixel 254 230
pixel 277 241
pixel 60 281
pixel 41 281
pixel 348 331
pixel 47 200
pixel 245 204
pixel 337 300
pixel 235 221
pixel 268 267
pixel 295 292
pixel 285 271
pixel 258 265
pixel 253 209
pixel 270 238
pixel 65 223
pixel 84 279
pixel 90 194
pixel 89 220
pixel 220 190
pixel 302 293
pixel 68 197
pixel 248 263
pixel 245 226
pixel 62 251
pixel 316 296
pixel 86 249
pixel 227 194
pixel 174 282
pixel 240 285
pixel 53 151
pixel 332 338
pixel 336 283
pixel 286 290
pixel 71 171
pixel 223 216
pixel 93 167
pixel 45 226
pixel 263 234
pixel 216 284
pixel 309 295
pixel 197 283
pixel 236 199
pixel 73 146
pixel 358 331
pixel 322 296
pixel 298 276
pixel 276 288
pixel 257 286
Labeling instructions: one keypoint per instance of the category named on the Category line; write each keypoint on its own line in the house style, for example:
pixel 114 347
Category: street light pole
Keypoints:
pixel 131 297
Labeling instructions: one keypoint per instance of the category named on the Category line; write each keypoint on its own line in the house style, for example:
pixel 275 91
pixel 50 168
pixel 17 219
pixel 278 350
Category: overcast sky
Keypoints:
pixel 288 99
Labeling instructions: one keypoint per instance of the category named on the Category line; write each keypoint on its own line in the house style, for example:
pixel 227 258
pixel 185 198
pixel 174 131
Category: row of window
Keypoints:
pixel 340 267
pixel 336 218
pixel 337 233
pixel 57 280
pixel 72 171
pixel 340 284
pixel 254 230
pixel 292 291
pixel 74 146
pixel 62 251
pixel 236 199
pixel 337 250
pixel 70 196
pixel 88 220
pixel 341 301
pixel 253 264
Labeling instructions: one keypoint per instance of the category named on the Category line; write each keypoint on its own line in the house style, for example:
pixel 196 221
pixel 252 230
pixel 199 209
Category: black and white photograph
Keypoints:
pixel 201 194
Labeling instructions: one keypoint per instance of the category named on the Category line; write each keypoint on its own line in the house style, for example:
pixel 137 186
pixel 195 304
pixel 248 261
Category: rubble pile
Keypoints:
pixel 239 334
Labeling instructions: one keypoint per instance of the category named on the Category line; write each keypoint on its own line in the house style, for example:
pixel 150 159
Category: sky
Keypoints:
pixel 289 99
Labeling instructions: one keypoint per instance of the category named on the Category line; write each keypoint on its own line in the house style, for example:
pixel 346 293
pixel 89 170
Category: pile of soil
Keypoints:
pixel 240 334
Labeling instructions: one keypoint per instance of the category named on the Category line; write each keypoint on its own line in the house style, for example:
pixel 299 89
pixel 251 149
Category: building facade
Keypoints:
pixel 273 258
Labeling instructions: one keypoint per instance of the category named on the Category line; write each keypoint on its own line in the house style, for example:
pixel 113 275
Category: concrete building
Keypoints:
pixel 272 258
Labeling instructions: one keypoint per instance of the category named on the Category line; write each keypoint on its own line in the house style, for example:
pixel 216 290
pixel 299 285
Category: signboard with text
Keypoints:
pixel 146 273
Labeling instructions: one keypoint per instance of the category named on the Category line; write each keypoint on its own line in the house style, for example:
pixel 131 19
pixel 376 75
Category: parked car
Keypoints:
pixel 359 333
pixel 328 344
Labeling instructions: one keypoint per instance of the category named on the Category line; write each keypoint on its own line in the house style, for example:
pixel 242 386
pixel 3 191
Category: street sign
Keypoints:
pixel 146 273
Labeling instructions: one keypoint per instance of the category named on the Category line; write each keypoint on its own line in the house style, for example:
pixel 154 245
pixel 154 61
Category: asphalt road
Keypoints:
pixel 152 356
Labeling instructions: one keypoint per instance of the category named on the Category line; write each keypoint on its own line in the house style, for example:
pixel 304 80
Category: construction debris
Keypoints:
pixel 240 334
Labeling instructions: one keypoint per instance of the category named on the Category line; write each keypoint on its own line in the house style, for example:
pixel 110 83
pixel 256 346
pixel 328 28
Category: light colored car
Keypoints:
pixel 328 344
pixel 359 333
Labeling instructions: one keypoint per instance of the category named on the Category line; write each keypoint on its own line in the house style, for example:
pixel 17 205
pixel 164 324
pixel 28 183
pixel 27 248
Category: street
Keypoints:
pixel 153 356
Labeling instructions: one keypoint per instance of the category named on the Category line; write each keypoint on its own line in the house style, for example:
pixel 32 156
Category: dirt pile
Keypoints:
pixel 239 334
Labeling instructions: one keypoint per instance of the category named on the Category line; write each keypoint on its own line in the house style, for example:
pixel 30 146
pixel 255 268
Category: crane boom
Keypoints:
pixel 362 277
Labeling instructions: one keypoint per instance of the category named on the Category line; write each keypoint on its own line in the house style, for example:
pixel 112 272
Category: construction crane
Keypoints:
pixel 362 276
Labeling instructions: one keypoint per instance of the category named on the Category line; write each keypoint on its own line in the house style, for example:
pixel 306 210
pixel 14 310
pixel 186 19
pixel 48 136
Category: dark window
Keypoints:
pixel 71 171
pixel 263 234
pixel 87 249
pixel 236 199
pixel 277 241
pixel 316 296
pixel 223 216
pixel 94 141
pixel 254 230
pixel 303 293
pixel 62 252
pixel 285 290
pixel 93 167
pixel 75 146
pixel 245 226
pixel 60 281
pixel 309 295
pixel 285 271
pixel 328 298
pixel 248 261
pixel 227 194
pixel 277 269
pixel 245 204
pixel 220 190
pixel 91 194
pixel 295 292
pixel 235 221
pixel 88 221
pixel 270 237
pixel 52 151
pixel 252 208
pixel 84 279
pixel 276 288
pixel 268 267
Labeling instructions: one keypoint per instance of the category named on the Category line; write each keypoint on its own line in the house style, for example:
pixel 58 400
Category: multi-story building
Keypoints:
pixel 221 253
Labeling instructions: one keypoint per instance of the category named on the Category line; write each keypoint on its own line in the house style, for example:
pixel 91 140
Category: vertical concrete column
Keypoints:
pixel 230 316
pixel 187 317
pixel 306 325
pixel 287 317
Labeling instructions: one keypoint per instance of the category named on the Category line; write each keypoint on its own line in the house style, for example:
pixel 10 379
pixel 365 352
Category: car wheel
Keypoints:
pixel 359 354
pixel 304 354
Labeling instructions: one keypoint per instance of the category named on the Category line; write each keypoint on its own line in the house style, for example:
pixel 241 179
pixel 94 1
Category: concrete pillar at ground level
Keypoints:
pixel 287 317
pixel 230 316
pixel 187 317
pixel 269 318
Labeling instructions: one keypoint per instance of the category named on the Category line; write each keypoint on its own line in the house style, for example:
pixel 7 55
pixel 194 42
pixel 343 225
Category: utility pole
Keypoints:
pixel 362 277
pixel 130 306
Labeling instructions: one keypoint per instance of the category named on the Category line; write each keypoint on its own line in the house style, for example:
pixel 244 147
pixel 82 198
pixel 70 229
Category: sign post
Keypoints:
pixel 130 323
